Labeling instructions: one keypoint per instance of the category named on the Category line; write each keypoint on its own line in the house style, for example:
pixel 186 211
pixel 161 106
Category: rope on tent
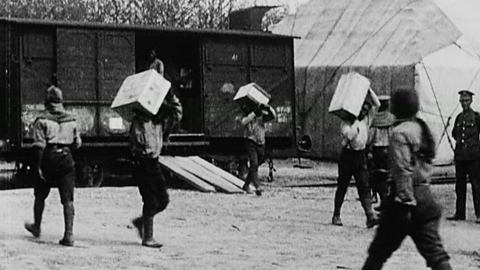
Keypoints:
pixel 313 26
pixel 472 55
pixel 438 106
pixel 445 125
pixel 450 116
pixel 320 93
pixel 293 23
pixel 307 111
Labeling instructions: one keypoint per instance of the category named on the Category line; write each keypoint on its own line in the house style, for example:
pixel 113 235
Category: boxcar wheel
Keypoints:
pixel 90 175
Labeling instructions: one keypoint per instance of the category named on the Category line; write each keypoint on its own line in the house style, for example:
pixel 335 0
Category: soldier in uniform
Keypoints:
pixel 146 142
pixel 55 135
pixel 467 156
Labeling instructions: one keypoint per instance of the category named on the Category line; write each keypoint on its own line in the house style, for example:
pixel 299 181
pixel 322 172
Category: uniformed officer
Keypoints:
pixel 467 156
pixel 55 135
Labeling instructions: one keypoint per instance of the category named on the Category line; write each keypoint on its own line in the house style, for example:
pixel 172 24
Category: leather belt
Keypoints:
pixel 56 147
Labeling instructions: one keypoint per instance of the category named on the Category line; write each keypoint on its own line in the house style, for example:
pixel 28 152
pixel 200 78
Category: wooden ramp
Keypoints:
pixel 202 174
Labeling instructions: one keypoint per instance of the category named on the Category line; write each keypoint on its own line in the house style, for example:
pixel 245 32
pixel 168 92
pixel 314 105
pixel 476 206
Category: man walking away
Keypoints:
pixel 55 135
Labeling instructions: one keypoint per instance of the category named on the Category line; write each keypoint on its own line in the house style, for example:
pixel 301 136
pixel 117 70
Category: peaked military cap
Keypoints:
pixel 468 92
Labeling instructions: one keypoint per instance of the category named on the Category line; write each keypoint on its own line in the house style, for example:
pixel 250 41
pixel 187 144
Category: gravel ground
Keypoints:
pixel 287 228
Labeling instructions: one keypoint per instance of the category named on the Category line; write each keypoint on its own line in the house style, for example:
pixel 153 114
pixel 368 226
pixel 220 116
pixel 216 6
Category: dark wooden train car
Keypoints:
pixel 89 61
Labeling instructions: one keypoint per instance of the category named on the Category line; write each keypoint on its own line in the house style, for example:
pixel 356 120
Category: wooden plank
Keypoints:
pixel 207 175
pixel 169 163
pixel 220 172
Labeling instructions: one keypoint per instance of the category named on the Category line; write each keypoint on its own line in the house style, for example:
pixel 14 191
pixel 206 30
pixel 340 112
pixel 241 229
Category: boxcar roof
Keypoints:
pixel 149 28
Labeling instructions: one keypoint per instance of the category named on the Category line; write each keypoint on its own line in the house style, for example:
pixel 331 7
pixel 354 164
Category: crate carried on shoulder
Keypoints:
pixel 352 90
pixel 90 61
pixel 144 91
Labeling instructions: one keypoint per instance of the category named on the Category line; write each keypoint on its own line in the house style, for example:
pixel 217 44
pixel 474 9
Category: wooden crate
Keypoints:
pixel 143 91
pixel 350 93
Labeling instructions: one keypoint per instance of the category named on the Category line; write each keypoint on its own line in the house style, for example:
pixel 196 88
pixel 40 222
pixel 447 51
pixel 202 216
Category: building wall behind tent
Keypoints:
pixel 315 87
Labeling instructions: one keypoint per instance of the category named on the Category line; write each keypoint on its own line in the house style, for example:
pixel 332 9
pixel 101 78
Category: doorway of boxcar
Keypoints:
pixel 106 58
pixel 180 55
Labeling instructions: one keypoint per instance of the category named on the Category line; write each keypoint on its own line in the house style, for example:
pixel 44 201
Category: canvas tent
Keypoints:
pixel 396 44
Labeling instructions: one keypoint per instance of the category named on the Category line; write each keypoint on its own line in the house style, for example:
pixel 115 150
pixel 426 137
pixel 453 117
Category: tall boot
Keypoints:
pixel 372 265
pixel 253 177
pixel 148 240
pixel 338 201
pixel 444 265
pixel 35 228
pixel 372 218
pixel 138 223
pixel 68 214
pixel 383 199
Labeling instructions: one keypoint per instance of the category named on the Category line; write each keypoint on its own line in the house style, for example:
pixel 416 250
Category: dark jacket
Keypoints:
pixel 411 170
pixel 466 132
pixel 148 132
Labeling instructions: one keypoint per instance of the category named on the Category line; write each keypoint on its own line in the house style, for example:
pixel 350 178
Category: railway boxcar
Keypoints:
pixel 89 61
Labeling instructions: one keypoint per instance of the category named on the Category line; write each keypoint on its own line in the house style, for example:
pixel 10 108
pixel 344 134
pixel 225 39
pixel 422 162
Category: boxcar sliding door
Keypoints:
pixel 224 71
pixel 91 65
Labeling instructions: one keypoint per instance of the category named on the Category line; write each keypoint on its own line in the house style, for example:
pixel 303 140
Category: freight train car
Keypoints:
pixel 89 61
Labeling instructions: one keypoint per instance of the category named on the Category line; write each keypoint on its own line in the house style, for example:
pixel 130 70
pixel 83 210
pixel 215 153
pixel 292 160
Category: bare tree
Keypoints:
pixel 174 13
pixel 274 16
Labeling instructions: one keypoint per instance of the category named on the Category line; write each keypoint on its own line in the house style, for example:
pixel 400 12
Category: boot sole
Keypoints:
pixel 152 245
pixel 67 243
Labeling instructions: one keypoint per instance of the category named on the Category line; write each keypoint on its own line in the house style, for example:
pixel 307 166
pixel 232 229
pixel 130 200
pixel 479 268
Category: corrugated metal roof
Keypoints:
pixel 188 31
pixel 367 32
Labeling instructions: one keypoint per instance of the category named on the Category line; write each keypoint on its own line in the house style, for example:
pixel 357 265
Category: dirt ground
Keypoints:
pixel 287 228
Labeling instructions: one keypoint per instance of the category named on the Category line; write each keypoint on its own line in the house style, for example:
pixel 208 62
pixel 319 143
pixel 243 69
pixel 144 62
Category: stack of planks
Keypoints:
pixel 202 174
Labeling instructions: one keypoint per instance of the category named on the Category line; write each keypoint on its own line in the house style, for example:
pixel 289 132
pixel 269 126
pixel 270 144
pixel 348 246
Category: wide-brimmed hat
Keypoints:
pixel 54 95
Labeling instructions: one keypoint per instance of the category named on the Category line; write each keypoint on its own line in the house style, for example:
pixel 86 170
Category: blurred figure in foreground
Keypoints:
pixel 411 208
